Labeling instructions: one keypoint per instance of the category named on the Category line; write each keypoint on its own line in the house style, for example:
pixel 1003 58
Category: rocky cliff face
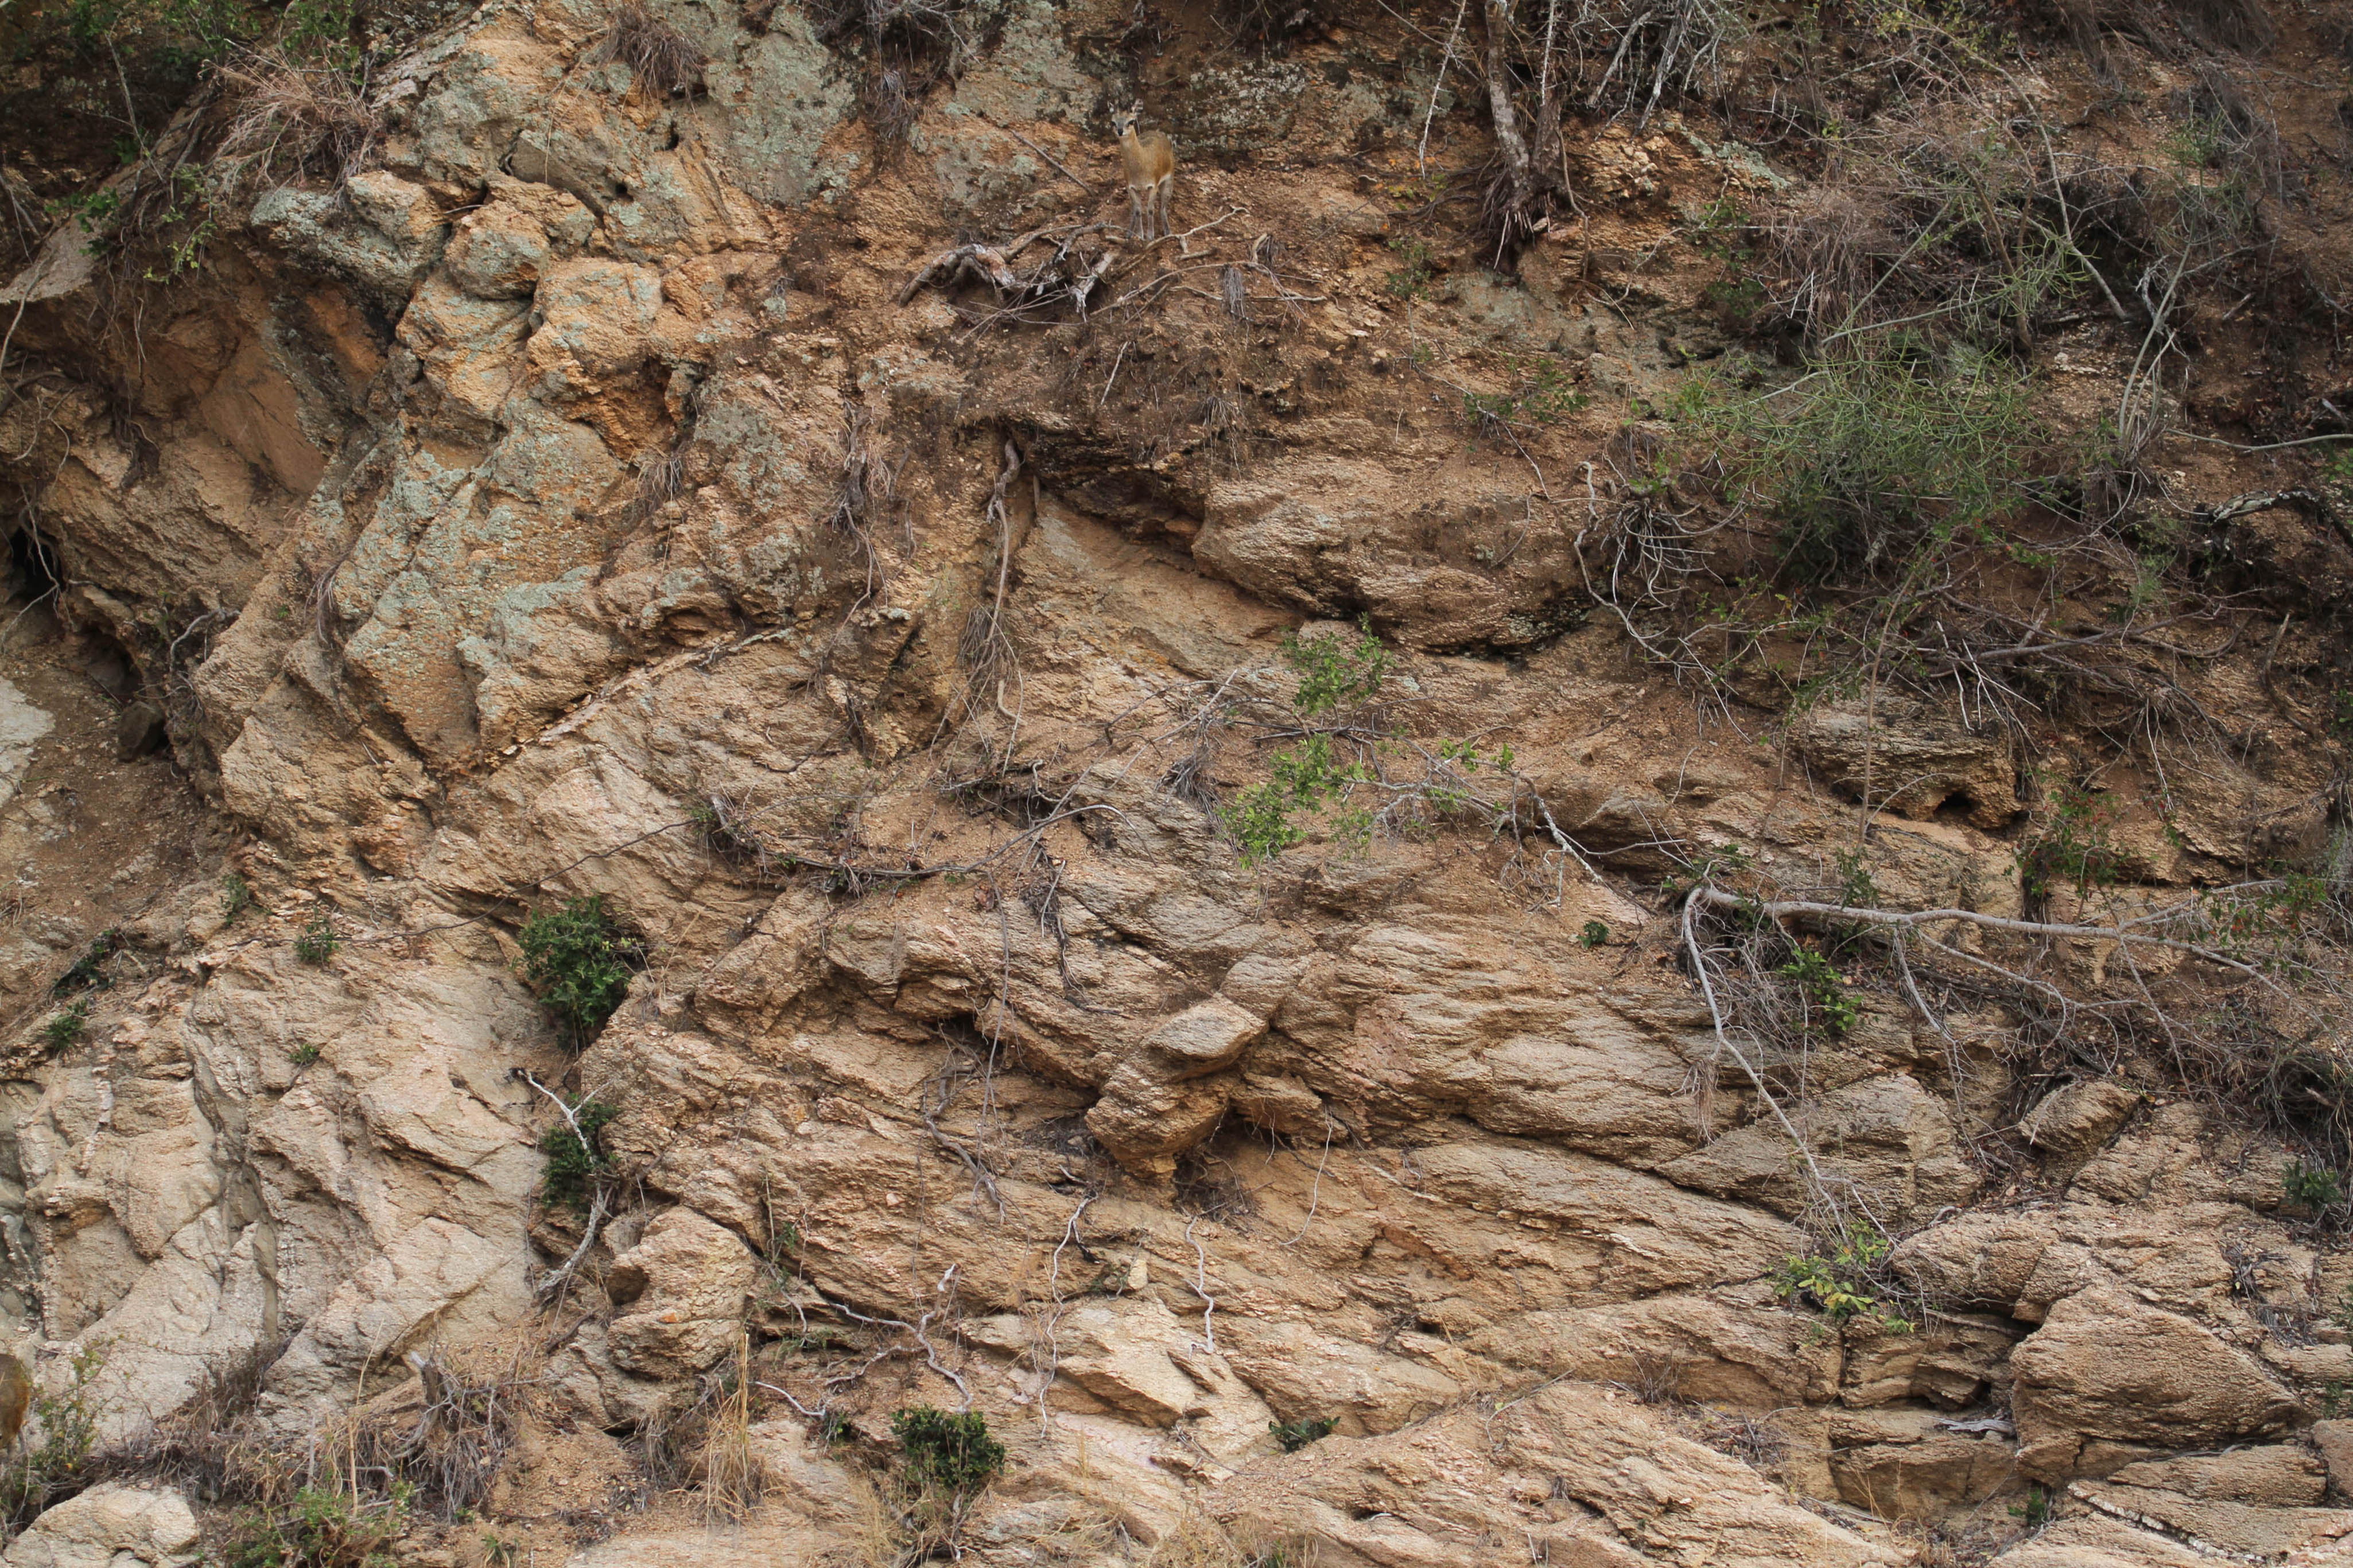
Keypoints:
pixel 803 527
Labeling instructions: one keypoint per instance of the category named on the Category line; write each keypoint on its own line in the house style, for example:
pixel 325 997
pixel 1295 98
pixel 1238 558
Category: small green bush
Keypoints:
pixel 952 1453
pixel 580 964
pixel 303 1055
pixel 1841 1284
pixel 1864 460
pixel 316 942
pixel 1595 934
pixel 1335 673
pixel 68 1422
pixel 1296 1434
pixel 2313 1188
pixel 1829 1006
pixel 573 1168
pixel 236 896
pixel 320 1529
pixel 64 1027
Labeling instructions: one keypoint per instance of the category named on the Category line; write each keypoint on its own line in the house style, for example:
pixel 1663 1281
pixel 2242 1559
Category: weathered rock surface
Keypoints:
pixel 579 502
pixel 111 1526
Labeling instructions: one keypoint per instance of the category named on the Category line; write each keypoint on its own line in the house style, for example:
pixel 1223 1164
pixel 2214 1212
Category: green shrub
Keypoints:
pixel 1595 934
pixel 1842 1284
pixel 88 972
pixel 1861 461
pixel 316 942
pixel 64 1025
pixel 952 1453
pixel 573 1166
pixel 320 1529
pixel 303 1055
pixel 2072 848
pixel 579 964
pixel 1296 1434
pixel 1335 673
pixel 2313 1188
pixel 1829 1007
pixel 236 896
pixel 68 1422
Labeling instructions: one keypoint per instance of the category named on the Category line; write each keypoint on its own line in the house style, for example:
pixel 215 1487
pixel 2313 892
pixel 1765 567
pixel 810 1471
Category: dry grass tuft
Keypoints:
pixel 665 61
pixel 291 120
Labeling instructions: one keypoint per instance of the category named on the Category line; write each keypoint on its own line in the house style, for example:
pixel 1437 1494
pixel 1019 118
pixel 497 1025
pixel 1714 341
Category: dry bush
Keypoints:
pixel 731 1476
pixel 662 60
pixel 909 46
pixel 291 121
pixel 442 1442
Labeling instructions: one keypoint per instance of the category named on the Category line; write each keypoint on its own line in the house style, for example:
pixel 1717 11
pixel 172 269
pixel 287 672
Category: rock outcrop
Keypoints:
pixel 581 502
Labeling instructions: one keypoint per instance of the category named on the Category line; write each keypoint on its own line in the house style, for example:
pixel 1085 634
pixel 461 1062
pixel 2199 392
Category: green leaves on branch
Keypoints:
pixel 580 963
pixel 1829 1006
pixel 952 1453
pixel 1336 770
pixel 1864 458
pixel 1842 1283
pixel 574 1160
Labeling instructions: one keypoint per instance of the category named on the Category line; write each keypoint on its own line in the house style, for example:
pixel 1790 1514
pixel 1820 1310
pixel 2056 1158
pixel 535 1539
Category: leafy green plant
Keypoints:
pixel 1860 461
pixel 1595 934
pixel 951 1452
pixel 580 964
pixel 1542 393
pixel 576 1160
pixel 65 1026
pixel 303 1055
pixel 2313 1188
pixel 320 1528
pixel 68 1422
pixel 1829 1006
pixel 316 942
pixel 1335 673
pixel 236 896
pixel 2035 1510
pixel 1841 1284
pixel 1296 1434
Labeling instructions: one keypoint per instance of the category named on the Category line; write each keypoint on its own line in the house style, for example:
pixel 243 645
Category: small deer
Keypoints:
pixel 1151 159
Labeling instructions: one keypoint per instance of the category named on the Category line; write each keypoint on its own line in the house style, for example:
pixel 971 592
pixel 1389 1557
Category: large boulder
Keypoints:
pixel 2107 1375
pixel 111 1526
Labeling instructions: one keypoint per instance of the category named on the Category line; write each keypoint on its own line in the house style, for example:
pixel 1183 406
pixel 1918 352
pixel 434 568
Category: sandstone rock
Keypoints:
pixel 2097 1541
pixel 2077 1118
pixel 383 240
pixel 2105 1367
pixel 1976 1260
pixel 111 1526
pixel 1914 757
pixel 2218 1524
pixel 1888 1134
pixel 1901 1464
pixel 2335 1441
pixel 1639 1494
pixel 2279 1475
pixel 679 1293
pixel 1949 1358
